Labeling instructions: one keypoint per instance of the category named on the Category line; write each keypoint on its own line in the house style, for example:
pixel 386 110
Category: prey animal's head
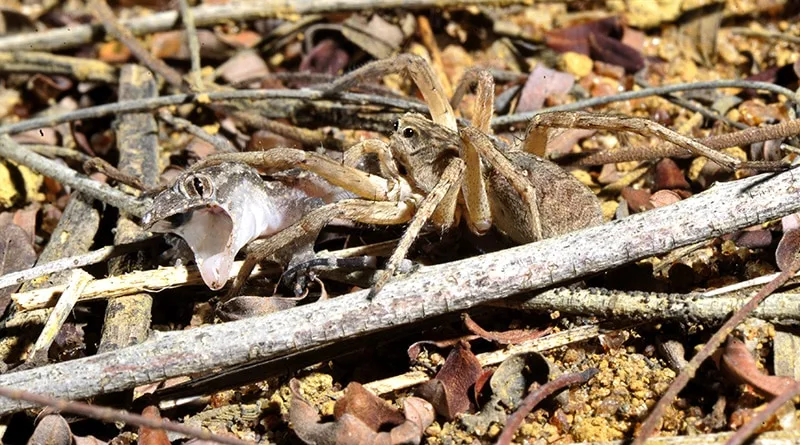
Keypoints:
pixel 422 149
pixel 217 210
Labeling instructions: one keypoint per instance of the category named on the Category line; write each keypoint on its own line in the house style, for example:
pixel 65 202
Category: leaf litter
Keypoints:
pixel 541 55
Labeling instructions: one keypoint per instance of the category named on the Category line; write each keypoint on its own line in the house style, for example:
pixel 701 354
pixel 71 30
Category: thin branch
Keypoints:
pixel 519 118
pixel 113 415
pixel 45 63
pixel 220 143
pixel 93 257
pixel 196 78
pixel 58 316
pixel 55 151
pixel 431 292
pixel 301 96
pixel 650 306
pixel 106 16
pixel 97 190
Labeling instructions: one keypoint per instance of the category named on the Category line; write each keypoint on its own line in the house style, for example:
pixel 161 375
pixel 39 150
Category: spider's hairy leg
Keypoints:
pixel 445 194
pixel 421 73
pixel 351 179
pixel 518 179
pixel 307 229
pixel 476 198
pixel 354 154
pixel 484 103
pixel 537 129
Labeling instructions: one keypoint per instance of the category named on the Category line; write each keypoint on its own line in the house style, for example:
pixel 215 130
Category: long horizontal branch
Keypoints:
pixel 432 292
pixel 650 306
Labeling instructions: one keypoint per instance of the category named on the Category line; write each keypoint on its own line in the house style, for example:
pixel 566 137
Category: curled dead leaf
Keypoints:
pixel 326 57
pixel 149 436
pixel 448 392
pixel 243 307
pixel 788 249
pixel 51 429
pixel 638 199
pixel 349 428
pixel 738 364
pixel 510 337
pixel 669 176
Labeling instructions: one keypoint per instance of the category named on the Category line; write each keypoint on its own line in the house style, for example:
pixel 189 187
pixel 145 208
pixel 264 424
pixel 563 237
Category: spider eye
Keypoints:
pixel 198 186
pixel 396 125
pixel 408 132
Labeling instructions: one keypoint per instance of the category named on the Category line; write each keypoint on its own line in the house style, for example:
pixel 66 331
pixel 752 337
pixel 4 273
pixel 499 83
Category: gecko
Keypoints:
pixel 220 209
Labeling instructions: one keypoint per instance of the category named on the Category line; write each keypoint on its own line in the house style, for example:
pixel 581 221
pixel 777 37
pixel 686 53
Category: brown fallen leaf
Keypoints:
pixel 638 199
pixel 669 176
pixel 149 436
pixel 738 364
pixel 611 50
pixel 448 392
pixel 326 57
pixel 787 248
pixel 510 337
pixel 541 83
pixel 753 238
pixel 173 45
pixel 245 39
pixel 366 406
pixel 415 349
pixel 49 87
pixel 51 429
pixel 349 428
pixel 243 66
pixel 239 308
pixel 599 39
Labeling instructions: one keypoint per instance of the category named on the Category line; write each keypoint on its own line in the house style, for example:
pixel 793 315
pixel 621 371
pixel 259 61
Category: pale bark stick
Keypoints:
pixel 435 291
pixel 649 306
pixel 66 176
pixel 59 315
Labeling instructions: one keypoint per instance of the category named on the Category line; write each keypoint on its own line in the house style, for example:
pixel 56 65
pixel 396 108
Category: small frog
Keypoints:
pixel 219 209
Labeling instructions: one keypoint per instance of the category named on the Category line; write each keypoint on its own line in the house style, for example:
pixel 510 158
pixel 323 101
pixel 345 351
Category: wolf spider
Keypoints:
pixel 434 171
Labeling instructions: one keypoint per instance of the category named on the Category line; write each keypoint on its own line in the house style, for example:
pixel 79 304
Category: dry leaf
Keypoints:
pixel 738 363
pixel 51 429
pixel 348 428
pixel 247 306
pixel 541 83
pixel 245 65
pixel 669 176
pixel 448 392
pixel 510 337
pixel 149 436
pixel 326 57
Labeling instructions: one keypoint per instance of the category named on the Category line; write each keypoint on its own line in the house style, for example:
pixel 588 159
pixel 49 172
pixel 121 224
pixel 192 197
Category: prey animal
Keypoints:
pixel 219 209
pixel 434 171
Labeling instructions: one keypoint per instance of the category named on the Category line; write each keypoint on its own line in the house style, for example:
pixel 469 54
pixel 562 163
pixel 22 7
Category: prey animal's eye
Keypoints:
pixel 408 132
pixel 198 186
pixel 396 125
